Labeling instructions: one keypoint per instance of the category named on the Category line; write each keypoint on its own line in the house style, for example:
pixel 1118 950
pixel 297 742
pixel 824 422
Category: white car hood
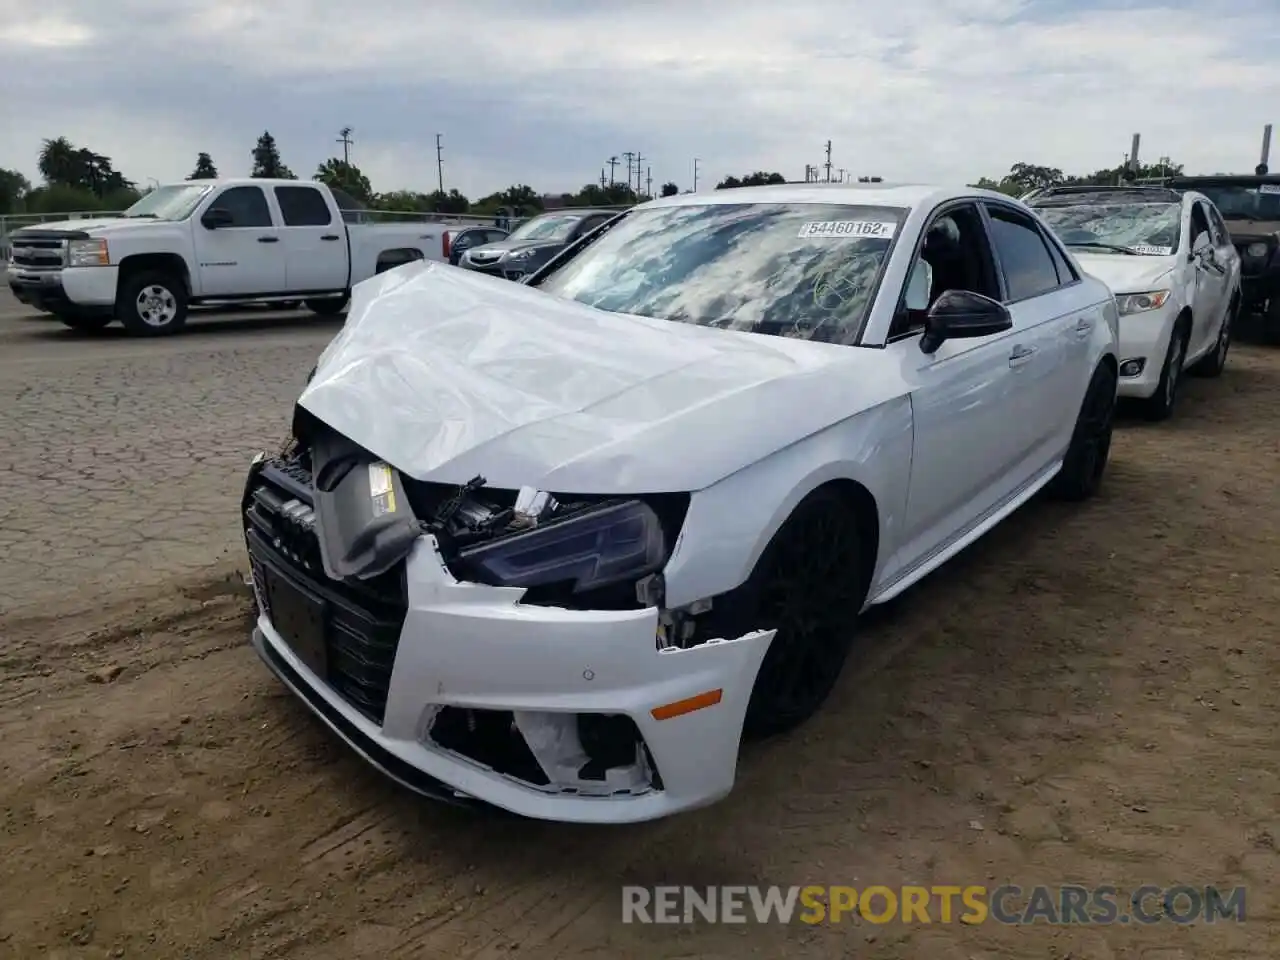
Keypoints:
pixel 103 225
pixel 446 375
pixel 1127 274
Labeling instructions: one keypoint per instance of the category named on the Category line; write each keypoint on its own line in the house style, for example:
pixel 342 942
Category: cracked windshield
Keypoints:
pixel 1146 229
pixel 807 271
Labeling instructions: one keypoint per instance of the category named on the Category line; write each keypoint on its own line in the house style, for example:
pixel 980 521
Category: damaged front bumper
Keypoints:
pixel 461 692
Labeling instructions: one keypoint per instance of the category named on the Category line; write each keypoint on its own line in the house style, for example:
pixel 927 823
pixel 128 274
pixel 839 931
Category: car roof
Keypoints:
pixel 1227 180
pixel 1112 193
pixel 855 194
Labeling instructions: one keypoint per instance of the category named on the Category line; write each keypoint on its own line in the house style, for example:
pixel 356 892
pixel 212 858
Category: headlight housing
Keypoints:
pixel 1256 249
pixel 519 255
pixel 88 253
pixel 1130 303
pixel 602 545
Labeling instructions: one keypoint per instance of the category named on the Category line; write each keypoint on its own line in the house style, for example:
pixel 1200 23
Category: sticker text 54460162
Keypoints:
pixel 848 230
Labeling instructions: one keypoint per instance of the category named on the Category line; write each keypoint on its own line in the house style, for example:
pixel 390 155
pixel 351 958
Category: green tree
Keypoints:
pixel 341 175
pixel 14 188
pixel 62 163
pixel 61 198
pixel 669 189
pixel 451 202
pixel 758 179
pixel 267 164
pixel 205 170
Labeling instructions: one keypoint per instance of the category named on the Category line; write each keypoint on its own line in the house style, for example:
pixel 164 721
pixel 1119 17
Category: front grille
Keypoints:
pixel 484 260
pixel 359 629
pixel 39 254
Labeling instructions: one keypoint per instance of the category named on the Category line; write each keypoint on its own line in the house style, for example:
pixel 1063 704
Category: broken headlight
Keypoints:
pixel 599 546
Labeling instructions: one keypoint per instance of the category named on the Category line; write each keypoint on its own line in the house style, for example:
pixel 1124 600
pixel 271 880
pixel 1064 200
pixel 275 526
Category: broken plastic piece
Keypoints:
pixel 362 516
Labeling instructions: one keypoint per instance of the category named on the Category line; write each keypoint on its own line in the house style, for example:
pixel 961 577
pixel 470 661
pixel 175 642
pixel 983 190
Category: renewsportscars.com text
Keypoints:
pixel 970 904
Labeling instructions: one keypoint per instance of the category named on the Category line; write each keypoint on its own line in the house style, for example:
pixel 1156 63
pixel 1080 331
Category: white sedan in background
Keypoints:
pixel 1176 276
pixel 558 547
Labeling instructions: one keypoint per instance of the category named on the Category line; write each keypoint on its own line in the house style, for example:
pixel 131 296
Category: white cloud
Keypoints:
pixel 920 89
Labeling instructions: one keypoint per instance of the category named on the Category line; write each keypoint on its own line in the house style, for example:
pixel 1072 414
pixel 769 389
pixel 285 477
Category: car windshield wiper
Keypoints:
pixel 140 216
pixel 1106 246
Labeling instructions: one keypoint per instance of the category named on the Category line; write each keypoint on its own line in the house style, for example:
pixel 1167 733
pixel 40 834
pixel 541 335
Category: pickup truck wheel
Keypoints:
pixel 1271 323
pixel 152 304
pixel 86 324
pixel 328 307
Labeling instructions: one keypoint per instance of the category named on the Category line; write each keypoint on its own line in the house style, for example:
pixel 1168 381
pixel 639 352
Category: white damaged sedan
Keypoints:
pixel 558 547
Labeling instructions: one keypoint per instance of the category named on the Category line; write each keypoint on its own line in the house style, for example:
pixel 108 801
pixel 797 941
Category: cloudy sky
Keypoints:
pixel 545 91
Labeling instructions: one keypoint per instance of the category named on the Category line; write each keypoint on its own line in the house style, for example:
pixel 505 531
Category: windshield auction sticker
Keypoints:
pixel 848 230
pixel 1149 251
pixel 1269 188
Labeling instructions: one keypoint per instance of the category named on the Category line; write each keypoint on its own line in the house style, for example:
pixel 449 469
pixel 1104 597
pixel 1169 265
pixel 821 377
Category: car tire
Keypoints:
pixel 85 324
pixel 1160 405
pixel 327 307
pixel 152 304
pixel 1090 448
pixel 1213 364
pixel 809 586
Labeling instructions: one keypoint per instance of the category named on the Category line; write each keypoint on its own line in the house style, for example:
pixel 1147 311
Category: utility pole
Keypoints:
pixel 613 165
pixel 1261 168
pixel 841 177
pixel 696 161
pixel 639 170
pixel 602 179
pixel 648 181
pixel 344 138
pixel 629 157
pixel 439 163
pixel 828 163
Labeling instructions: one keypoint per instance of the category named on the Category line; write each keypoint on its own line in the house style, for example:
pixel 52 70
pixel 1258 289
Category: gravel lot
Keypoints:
pixel 1087 696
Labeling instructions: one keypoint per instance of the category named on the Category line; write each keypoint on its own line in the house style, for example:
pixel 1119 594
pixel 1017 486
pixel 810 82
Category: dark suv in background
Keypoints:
pixel 534 242
pixel 1250 206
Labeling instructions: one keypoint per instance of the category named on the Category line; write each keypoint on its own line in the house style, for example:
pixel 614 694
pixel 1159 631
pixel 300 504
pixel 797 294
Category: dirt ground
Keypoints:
pixel 1088 696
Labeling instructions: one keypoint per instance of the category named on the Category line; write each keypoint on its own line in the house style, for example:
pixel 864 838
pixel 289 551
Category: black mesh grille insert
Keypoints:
pixel 352 639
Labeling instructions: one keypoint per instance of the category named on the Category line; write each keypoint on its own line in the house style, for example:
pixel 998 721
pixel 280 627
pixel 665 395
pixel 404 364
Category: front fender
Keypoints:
pixel 729 523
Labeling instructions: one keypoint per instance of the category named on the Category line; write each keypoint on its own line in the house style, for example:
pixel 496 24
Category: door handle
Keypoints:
pixel 1083 328
pixel 1020 355
pixel 330 236
pixel 268 239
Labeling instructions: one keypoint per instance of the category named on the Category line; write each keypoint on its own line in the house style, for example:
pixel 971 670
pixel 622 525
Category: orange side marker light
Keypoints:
pixel 680 707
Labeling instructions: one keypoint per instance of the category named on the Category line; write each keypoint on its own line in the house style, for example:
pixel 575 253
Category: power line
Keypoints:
pixel 344 138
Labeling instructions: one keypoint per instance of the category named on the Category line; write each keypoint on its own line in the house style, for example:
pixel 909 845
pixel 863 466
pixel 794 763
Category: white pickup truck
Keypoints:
pixel 206 242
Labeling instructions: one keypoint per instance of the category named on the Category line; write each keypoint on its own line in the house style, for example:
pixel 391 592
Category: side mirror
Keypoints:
pixel 216 217
pixel 962 313
pixel 1202 246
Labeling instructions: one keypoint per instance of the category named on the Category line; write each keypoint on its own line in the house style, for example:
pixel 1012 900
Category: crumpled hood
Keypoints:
pixel 96 227
pixel 1127 274
pixel 447 375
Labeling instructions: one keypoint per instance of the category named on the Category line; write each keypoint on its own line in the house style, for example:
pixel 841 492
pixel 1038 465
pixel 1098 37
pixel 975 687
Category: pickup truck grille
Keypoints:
pixel 39 254
pixel 351 639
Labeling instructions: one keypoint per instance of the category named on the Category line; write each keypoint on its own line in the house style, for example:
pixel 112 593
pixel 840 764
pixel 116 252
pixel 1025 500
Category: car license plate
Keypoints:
pixel 299 617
